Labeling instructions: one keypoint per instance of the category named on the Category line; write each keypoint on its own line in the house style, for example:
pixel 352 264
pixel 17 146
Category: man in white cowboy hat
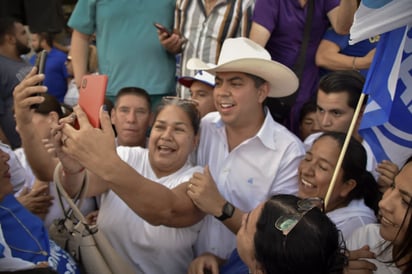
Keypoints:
pixel 201 90
pixel 248 156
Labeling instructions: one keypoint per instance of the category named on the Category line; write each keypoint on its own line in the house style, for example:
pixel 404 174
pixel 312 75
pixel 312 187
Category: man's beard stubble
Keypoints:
pixel 22 48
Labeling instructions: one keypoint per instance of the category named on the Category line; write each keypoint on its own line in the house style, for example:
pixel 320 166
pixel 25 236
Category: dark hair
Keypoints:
pixel 50 104
pixel 46 36
pixel 313 246
pixel 308 107
pixel 256 79
pixel 354 167
pixel 404 250
pixel 6 27
pixel 139 92
pixel 186 105
pixel 344 81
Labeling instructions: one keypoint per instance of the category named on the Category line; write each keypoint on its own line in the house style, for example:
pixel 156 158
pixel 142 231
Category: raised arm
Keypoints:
pixel 24 95
pixel 79 52
pixel 152 201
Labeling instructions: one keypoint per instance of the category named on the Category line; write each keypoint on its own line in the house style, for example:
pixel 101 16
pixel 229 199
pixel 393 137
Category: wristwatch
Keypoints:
pixel 227 212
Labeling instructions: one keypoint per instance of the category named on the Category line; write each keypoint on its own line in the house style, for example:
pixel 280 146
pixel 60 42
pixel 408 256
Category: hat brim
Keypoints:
pixel 187 81
pixel 282 80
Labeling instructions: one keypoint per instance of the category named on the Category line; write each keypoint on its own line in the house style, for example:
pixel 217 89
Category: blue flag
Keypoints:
pixel 387 122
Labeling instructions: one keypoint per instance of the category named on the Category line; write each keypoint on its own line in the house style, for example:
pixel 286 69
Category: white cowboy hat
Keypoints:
pixel 201 76
pixel 243 55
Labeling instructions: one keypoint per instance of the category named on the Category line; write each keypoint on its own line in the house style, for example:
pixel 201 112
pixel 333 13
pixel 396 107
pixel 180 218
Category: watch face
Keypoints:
pixel 228 210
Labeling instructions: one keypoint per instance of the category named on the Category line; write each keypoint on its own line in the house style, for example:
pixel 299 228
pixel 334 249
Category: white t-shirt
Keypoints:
pixel 369 235
pixel 18 175
pixel 251 173
pixel 349 218
pixel 151 249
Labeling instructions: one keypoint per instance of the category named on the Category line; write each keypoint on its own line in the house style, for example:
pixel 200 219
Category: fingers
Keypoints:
pixel 29 87
pixel 105 121
pixel 81 117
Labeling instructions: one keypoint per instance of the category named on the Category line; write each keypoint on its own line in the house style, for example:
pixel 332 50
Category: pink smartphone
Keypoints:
pixel 162 28
pixel 91 96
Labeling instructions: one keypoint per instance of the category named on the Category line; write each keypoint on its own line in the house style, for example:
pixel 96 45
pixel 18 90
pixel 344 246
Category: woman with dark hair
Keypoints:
pixel 284 235
pixel 388 245
pixel 144 209
pixel 355 197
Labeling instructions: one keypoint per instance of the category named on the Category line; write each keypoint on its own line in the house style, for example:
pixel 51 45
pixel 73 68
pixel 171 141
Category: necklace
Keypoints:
pixel 41 250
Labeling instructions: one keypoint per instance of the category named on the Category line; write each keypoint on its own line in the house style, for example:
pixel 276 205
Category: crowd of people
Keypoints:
pixel 193 168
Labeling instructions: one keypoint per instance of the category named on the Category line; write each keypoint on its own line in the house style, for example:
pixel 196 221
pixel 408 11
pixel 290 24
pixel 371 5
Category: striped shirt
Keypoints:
pixel 206 33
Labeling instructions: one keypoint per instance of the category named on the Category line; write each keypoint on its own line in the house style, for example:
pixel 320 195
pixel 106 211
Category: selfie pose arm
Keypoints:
pixel 24 95
pixel 152 201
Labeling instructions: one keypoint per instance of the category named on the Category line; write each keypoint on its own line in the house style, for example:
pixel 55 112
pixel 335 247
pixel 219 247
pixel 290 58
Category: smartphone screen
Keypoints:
pixel 162 28
pixel 40 64
pixel 91 97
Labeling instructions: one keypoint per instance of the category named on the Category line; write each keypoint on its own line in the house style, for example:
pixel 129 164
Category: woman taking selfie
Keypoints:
pixel 144 210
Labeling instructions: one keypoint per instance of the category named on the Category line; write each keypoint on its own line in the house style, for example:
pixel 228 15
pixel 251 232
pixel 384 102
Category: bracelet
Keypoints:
pixel 65 172
pixel 353 64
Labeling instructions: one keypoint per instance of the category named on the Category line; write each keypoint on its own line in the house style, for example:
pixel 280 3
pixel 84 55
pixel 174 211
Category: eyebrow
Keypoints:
pixel 321 159
pixel 174 123
pixel 404 192
pixel 229 79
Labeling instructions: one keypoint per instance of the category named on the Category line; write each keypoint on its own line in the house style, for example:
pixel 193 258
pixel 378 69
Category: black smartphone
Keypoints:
pixel 40 64
pixel 162 29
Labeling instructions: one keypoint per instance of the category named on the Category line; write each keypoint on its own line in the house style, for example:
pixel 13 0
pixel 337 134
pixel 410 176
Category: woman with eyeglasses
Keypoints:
pixel 37 194
pixel 355 197
pixel 386 248
pixel 284 235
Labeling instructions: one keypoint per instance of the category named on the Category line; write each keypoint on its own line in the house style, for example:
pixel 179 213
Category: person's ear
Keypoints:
pixel 112 115
pixel 347 187
pixel 263 92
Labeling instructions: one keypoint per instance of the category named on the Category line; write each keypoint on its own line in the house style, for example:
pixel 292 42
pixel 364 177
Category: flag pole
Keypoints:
pixel 344 148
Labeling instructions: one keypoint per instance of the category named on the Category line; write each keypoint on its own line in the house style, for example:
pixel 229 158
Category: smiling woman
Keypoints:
pixel 147 188
pixel 354 201
pixel 390 241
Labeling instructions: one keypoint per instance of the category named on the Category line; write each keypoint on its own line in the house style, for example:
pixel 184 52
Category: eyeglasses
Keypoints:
pixel 175 99
pixel 286 223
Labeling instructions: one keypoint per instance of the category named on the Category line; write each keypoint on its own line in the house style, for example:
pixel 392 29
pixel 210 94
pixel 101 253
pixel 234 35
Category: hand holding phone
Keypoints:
pixel 162 29
pixel 91 97
pixel 40 64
